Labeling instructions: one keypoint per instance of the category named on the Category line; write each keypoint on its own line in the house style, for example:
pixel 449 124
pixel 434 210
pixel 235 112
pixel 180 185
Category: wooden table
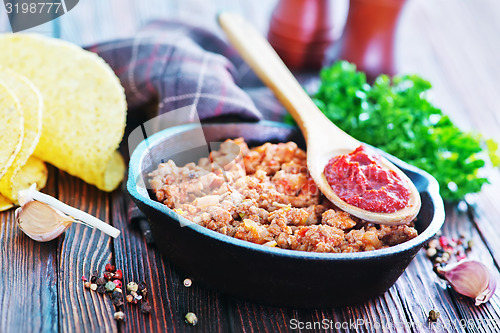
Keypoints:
pixel 453 43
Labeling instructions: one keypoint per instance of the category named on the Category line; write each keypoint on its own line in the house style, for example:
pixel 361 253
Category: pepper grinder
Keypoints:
pixel 301 31
pixel 368 37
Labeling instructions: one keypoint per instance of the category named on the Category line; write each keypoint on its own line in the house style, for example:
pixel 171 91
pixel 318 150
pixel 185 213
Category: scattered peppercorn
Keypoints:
pixel 142 288
pixel 133 293
pixel 108 275
pixel 188 283
pixel 433 243
pixel 132 286
pixel 118 283
pixel 191 318
pixel 87 285
pixel 101 281
pixel 93 287
pixel 431 252
pixel 110 268
pixel 117 294
pixel 84 278
pixel 118 274
pixel 110 286
pixel 119 315
pixel 433 315
pixel 119 290
pixel 117 302
pixel 101 289
pixel 138 297
pixel 130 298
pixel 93 278
pixel 145 307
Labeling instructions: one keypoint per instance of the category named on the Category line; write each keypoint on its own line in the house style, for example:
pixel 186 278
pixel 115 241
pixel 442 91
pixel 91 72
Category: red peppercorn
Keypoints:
pixel 118 283
pixel 110 268
pixel 443 241
pixel 108 275
pixel 84 278
pixel 119 274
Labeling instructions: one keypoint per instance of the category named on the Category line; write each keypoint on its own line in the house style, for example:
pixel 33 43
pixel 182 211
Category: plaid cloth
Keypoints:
pixel 181 65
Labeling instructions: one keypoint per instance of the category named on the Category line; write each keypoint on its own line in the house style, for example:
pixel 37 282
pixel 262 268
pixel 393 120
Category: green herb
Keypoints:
pixel 396 117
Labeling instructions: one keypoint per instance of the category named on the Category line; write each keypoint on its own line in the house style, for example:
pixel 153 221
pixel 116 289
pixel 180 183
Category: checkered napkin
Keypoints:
pixel 177 65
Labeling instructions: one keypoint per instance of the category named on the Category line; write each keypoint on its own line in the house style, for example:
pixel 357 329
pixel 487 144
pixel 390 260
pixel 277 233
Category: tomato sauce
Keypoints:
pixel 359 179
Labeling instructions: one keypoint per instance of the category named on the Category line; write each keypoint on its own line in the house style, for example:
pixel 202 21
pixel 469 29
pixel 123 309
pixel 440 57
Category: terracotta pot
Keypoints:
pixel 368 37
pixel 301 32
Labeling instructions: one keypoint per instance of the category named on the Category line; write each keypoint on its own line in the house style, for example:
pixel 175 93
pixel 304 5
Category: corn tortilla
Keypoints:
pixel 11 127
pixel 32 106
pixel 84 106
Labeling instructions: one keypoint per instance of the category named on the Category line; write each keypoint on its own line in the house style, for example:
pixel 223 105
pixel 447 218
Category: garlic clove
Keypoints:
pixel 41 222
pixel 470 278
pixel 31 194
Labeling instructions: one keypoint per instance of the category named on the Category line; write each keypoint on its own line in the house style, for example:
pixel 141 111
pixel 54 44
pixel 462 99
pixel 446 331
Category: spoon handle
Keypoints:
pixel 266 63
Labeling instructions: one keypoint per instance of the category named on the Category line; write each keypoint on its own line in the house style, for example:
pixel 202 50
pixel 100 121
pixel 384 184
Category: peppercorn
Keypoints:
pixel 138 297
pixel 117 302
pixel 130 298
pixel 118 274
pixel 191 318
pixel 433 243
pixel 117 283
pixel 101 281
pixel 145 307
pixel 110 268
pixel 116 294
pixel 119 290
pixel 433 315
pixel 84 279
pixel 93 287
pixel 132 286
pixel 188 283
pixel 108 275
pixel 133 293
pixel 110 286
pixel 87 284
pixel 93 277
pixel 431 252
pixel 119 315
pixel 101 289
pixel 142 288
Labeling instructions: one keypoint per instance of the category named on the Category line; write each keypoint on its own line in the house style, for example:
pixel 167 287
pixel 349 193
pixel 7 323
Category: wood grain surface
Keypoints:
pixel 455 44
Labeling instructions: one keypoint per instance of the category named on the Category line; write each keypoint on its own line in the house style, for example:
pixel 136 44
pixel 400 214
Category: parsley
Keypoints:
pixel 396 117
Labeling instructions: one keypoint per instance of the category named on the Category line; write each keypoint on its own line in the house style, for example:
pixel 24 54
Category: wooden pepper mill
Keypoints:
pixel 368 37
pixel 301 31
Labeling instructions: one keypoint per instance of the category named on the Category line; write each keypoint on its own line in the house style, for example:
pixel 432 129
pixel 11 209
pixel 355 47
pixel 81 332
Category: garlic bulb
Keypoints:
pixel 470 278
pixel 44 218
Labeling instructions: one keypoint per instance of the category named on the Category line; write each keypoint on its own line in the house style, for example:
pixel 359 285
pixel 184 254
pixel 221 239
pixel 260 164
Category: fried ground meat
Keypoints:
pixel 265 195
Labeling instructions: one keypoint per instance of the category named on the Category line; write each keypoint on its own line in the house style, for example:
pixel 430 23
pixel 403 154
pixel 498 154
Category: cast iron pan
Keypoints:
pixel 257 273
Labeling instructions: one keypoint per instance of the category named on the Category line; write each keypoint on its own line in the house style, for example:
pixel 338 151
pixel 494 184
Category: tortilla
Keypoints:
pixel 34 171
pixel 84 106
pixel 11 127
pixel 32 106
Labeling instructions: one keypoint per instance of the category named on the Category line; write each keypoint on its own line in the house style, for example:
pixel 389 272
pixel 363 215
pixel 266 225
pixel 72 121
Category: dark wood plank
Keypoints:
pixel 169 299
pixel 83 250
pixel 28 278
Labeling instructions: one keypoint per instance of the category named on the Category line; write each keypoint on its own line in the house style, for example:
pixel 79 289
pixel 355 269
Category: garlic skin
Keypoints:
pixel 470 278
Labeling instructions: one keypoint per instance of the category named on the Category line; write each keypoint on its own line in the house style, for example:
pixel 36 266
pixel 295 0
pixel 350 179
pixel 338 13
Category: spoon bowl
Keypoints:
pixel 324 140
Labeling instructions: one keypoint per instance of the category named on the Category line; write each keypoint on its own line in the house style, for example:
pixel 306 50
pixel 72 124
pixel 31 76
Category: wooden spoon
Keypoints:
pixel 324 139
